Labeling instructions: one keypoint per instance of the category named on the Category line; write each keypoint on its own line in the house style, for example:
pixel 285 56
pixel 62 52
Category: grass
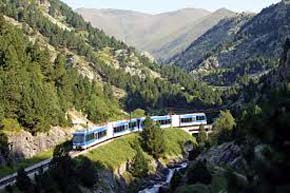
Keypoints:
pixel 174 140
pixel 114 154
pixel 6 170
pixel 118 152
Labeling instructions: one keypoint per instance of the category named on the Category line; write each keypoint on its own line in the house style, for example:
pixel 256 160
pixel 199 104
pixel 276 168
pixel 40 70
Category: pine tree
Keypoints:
pixel 140 166
pixel 152 138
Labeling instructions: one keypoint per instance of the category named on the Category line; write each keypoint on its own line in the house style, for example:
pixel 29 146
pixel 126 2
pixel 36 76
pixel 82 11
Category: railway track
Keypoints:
pixel 43 165
pixel 32 170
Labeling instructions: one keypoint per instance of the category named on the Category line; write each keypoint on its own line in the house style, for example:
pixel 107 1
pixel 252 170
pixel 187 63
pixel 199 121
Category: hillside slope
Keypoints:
pixel 221 33
pixel 163 35
pixel 251 50
pixel 53 61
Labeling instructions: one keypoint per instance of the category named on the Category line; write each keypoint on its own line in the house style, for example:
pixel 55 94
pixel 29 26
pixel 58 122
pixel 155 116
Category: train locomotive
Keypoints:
pixel 88 137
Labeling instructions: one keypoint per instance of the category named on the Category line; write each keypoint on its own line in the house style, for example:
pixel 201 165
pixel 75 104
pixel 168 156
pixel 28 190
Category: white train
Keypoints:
pixel 86 138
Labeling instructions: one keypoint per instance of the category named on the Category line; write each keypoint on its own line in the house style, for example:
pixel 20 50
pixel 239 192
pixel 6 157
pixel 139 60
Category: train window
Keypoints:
pixel 132 125
pixel 200 118
pixel 102 134
pixel 119 129
pixel 78 138
pixel 187 120
pixel 90 137
pixel 164 122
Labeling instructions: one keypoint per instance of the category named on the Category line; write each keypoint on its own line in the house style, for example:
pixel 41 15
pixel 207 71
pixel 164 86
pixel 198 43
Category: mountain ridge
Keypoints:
pixel 250 48
pixel 154 33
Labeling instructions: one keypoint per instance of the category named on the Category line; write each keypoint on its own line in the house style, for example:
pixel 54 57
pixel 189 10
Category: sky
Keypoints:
pixel 159 6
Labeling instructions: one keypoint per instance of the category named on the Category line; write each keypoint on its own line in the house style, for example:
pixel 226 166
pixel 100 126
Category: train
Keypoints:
pixel 88 137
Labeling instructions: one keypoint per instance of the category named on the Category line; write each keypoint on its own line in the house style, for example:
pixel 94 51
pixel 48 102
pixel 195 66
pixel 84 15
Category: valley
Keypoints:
pixel 180 101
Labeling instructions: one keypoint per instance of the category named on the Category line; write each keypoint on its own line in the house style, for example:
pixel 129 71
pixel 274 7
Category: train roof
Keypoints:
pixel 192 114
pixel 161 117
pixel 91 130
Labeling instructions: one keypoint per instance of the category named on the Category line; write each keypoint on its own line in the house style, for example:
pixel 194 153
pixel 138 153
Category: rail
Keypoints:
pixel 11 179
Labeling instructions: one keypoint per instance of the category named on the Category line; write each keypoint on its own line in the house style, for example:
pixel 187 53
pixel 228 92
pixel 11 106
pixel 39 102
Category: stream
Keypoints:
pixel 168 174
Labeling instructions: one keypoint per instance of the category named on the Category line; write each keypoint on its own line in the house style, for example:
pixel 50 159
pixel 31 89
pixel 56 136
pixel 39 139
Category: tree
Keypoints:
pixel 62 169
pixel 152 138
pixel 23 182
pixel 140 166
pixel 225 121
pixel 202 136
pixel 137 113
pixel 87 172
pixel 223 127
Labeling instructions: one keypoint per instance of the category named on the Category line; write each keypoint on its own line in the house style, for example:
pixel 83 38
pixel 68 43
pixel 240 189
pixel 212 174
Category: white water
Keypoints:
pixel 169 176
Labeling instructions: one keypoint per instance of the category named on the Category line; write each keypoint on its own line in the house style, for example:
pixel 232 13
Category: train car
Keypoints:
pixel 195 119
pixel 89 137
pixel 85 138
pixel 136 124
pixel 120 128
pixel 163 121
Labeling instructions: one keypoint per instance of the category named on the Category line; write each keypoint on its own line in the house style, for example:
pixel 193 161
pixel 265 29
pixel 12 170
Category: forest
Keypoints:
pixel 60 83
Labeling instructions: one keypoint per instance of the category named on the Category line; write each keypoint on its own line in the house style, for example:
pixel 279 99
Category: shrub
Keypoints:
pixel 11 125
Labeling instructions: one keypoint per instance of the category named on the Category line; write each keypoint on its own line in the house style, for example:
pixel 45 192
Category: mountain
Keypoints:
pixel 240 48
pixel 52 61
pixel 162 35
pixel 221 33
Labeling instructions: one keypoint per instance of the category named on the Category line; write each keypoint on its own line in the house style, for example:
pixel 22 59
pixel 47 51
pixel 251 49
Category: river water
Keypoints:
pixel 154 188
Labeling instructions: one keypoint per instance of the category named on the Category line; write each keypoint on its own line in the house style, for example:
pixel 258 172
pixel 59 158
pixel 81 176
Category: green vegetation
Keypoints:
pixel 176 89
pixel 64 175
pixel 10 125
pixel 115 153
pixel 261 130
pixel 223 127
pixel 137 113
pixel 174 139
pixel 11 168
pixel 140 165
pixel 225 121
pixel 202 136
pixel 152 138
pixel 36 93
pixel 119 151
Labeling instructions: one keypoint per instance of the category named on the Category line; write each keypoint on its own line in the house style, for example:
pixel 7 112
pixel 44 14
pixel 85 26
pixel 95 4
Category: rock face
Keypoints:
pixel 24 145
pixel 225 154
